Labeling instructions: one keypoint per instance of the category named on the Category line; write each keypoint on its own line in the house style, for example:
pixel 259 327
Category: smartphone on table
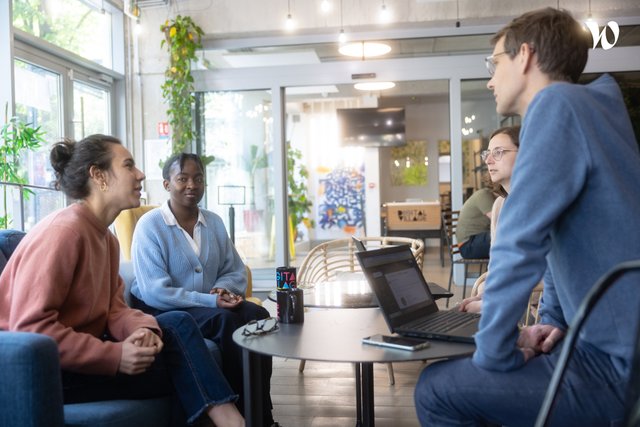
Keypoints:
pixel 396 341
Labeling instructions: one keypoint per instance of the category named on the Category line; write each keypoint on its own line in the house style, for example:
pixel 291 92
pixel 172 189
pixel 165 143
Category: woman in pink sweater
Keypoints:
pixel 62 281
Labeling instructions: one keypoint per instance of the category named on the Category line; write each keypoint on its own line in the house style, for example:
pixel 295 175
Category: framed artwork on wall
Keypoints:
pixel 409 164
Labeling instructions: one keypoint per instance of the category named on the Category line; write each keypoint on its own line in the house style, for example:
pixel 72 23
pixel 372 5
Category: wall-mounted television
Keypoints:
pixel 371 127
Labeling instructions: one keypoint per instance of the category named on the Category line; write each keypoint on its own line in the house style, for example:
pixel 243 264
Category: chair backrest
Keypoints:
pixel 124 225
pixel 9 240
pixel 449 224
pixel 328 260
pixel 632 400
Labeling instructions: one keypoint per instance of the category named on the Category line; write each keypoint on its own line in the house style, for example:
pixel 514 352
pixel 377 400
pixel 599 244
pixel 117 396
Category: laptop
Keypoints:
pixel 406 301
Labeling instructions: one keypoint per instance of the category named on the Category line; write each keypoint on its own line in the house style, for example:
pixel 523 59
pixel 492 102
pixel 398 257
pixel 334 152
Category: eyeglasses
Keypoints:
pixel 260 327
pixel 490 62
pixel 496 153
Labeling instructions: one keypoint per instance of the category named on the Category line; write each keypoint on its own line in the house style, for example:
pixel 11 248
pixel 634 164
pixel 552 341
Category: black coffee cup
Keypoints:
pixel 290 306
pixel 286 278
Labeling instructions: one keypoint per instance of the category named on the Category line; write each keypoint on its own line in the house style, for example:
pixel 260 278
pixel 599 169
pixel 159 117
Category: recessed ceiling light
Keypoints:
pixel 365 49
pixel 371 86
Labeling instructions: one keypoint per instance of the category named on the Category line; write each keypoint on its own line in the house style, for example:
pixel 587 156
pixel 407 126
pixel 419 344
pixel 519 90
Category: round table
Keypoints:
pixel 332 336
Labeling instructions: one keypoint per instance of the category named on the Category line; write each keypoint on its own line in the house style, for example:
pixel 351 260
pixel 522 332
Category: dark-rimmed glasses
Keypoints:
pixel 490 62
pixel 260 327
pixel 496 153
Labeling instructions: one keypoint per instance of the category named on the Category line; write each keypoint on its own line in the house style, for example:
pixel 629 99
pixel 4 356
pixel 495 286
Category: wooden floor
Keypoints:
pixel 324 394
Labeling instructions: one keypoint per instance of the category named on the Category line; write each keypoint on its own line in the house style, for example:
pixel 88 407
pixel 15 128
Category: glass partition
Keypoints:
pixel 237 132
pixel 479 120
pixel 347 182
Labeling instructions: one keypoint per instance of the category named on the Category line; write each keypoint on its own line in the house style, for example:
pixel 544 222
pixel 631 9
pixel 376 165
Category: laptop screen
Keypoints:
pixel 397 281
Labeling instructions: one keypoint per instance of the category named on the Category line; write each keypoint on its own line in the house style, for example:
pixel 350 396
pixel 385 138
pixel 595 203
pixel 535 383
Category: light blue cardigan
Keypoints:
pixel 169 275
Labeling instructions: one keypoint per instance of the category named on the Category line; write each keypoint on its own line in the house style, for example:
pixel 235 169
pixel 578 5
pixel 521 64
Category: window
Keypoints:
pixel 39 102
pixel 90 110
pixel 81 27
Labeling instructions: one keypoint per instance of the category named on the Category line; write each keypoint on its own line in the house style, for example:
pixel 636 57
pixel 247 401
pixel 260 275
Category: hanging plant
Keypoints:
pixel 182 38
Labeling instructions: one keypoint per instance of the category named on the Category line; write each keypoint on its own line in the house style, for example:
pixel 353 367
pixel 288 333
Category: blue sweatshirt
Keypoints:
pixel 170 275
pixel 574 206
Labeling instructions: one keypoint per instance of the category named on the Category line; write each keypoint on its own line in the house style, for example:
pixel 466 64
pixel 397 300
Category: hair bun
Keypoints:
pixel 61 154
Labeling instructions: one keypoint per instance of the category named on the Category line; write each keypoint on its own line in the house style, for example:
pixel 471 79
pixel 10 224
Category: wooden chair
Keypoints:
pixel 124 225
pixel 450 223
pixel 531 315
pixel 328 261
pixel 444 213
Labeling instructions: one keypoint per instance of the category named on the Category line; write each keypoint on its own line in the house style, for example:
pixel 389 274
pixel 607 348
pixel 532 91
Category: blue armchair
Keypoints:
pixel 31 388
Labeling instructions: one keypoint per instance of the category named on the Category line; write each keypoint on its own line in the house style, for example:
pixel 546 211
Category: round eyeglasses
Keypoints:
pixel 490 62
pixel 496 153
pixel 260 327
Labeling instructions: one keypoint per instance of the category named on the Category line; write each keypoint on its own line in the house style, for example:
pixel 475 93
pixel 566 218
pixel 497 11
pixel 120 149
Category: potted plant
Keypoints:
pixel 298 203
pixel 16 136
pixel 182 38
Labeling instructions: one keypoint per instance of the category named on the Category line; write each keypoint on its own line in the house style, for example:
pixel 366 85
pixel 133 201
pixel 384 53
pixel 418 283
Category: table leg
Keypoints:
pixel 368 415
pixel 358 377
pixel 252 384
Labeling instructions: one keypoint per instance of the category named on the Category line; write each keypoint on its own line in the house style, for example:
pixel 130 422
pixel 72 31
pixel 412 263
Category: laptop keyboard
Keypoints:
pixel 444 321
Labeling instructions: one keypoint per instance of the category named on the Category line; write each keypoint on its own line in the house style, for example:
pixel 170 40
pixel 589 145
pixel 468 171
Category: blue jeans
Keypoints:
pixel 184 368
pixel 477 246
pixel 458 393
pixel 218 325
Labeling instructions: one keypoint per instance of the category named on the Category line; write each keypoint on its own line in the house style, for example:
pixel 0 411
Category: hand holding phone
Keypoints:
pixel 397 342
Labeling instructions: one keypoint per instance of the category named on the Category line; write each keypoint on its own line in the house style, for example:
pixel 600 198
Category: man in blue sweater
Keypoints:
pixel 571 216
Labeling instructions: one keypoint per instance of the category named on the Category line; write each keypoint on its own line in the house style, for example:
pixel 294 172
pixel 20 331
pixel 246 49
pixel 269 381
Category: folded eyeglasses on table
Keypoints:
pixel 260 327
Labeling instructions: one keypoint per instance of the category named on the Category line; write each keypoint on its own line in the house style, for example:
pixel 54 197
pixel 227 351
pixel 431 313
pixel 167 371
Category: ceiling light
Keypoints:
pixel 325 6
pixel 385 13
pixel 589 17
pixel 365 49
pixel 373 86
pixel 289 24
pixel 342 37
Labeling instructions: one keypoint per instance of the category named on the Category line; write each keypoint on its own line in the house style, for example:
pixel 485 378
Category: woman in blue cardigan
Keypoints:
pixel 184 260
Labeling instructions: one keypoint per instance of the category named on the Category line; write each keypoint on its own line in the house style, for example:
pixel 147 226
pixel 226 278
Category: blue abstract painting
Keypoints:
pixel 341 200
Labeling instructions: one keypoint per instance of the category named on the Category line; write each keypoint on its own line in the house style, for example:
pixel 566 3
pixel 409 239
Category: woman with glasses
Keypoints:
pixel 184 260
pixel 62 281
pixel 500 158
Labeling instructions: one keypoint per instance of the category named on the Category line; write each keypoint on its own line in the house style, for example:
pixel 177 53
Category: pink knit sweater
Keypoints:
pixel 63 281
